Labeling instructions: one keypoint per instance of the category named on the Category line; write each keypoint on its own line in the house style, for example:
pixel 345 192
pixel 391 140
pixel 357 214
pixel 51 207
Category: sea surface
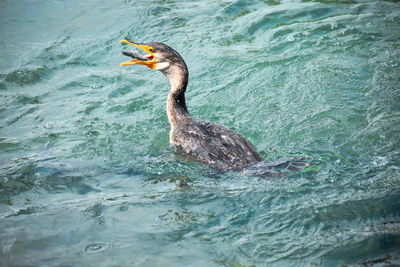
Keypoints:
pixel 87 176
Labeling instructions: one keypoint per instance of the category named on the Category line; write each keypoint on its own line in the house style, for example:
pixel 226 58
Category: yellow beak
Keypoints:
pixel 151 59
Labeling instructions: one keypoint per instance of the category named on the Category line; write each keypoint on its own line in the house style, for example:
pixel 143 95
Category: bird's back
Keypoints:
pixel 213 144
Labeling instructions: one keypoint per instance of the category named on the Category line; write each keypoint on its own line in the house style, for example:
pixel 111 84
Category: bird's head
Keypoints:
pixel 159 56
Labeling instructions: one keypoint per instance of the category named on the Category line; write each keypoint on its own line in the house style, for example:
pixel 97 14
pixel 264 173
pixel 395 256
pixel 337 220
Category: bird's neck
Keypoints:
pixel 178 77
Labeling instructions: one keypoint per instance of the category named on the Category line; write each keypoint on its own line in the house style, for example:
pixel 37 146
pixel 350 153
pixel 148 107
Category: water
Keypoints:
pixel 87 174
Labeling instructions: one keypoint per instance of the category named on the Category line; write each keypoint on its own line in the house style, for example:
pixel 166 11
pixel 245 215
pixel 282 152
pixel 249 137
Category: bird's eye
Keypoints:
pixel 151 50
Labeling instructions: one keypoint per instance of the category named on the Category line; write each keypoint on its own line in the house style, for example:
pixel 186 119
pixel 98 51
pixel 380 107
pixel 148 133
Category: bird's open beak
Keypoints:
pixel 147 60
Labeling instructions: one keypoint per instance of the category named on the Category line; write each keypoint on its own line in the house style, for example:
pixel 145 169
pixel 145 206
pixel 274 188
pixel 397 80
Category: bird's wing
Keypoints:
pixel 215 144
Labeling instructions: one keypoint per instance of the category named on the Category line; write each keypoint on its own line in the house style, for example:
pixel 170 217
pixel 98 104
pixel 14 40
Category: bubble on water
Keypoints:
pixel 96 248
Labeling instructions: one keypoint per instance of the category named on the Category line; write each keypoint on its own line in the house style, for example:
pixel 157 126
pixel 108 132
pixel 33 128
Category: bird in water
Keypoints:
pixel 204 141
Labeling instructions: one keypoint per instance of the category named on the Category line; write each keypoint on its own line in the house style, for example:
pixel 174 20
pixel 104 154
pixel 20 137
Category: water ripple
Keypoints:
pixel 96 248
pixel 85 149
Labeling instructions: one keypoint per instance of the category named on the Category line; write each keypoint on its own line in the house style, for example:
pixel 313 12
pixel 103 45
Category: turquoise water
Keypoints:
pixel 87 177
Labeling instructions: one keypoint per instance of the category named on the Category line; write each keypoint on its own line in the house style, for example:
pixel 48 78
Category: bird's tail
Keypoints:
pixel 277 168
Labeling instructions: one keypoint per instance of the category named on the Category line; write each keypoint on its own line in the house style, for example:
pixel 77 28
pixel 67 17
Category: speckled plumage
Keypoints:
pixel 213 144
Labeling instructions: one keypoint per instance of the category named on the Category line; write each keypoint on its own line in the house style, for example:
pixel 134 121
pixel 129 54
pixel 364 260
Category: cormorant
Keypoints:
pixel 205 141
